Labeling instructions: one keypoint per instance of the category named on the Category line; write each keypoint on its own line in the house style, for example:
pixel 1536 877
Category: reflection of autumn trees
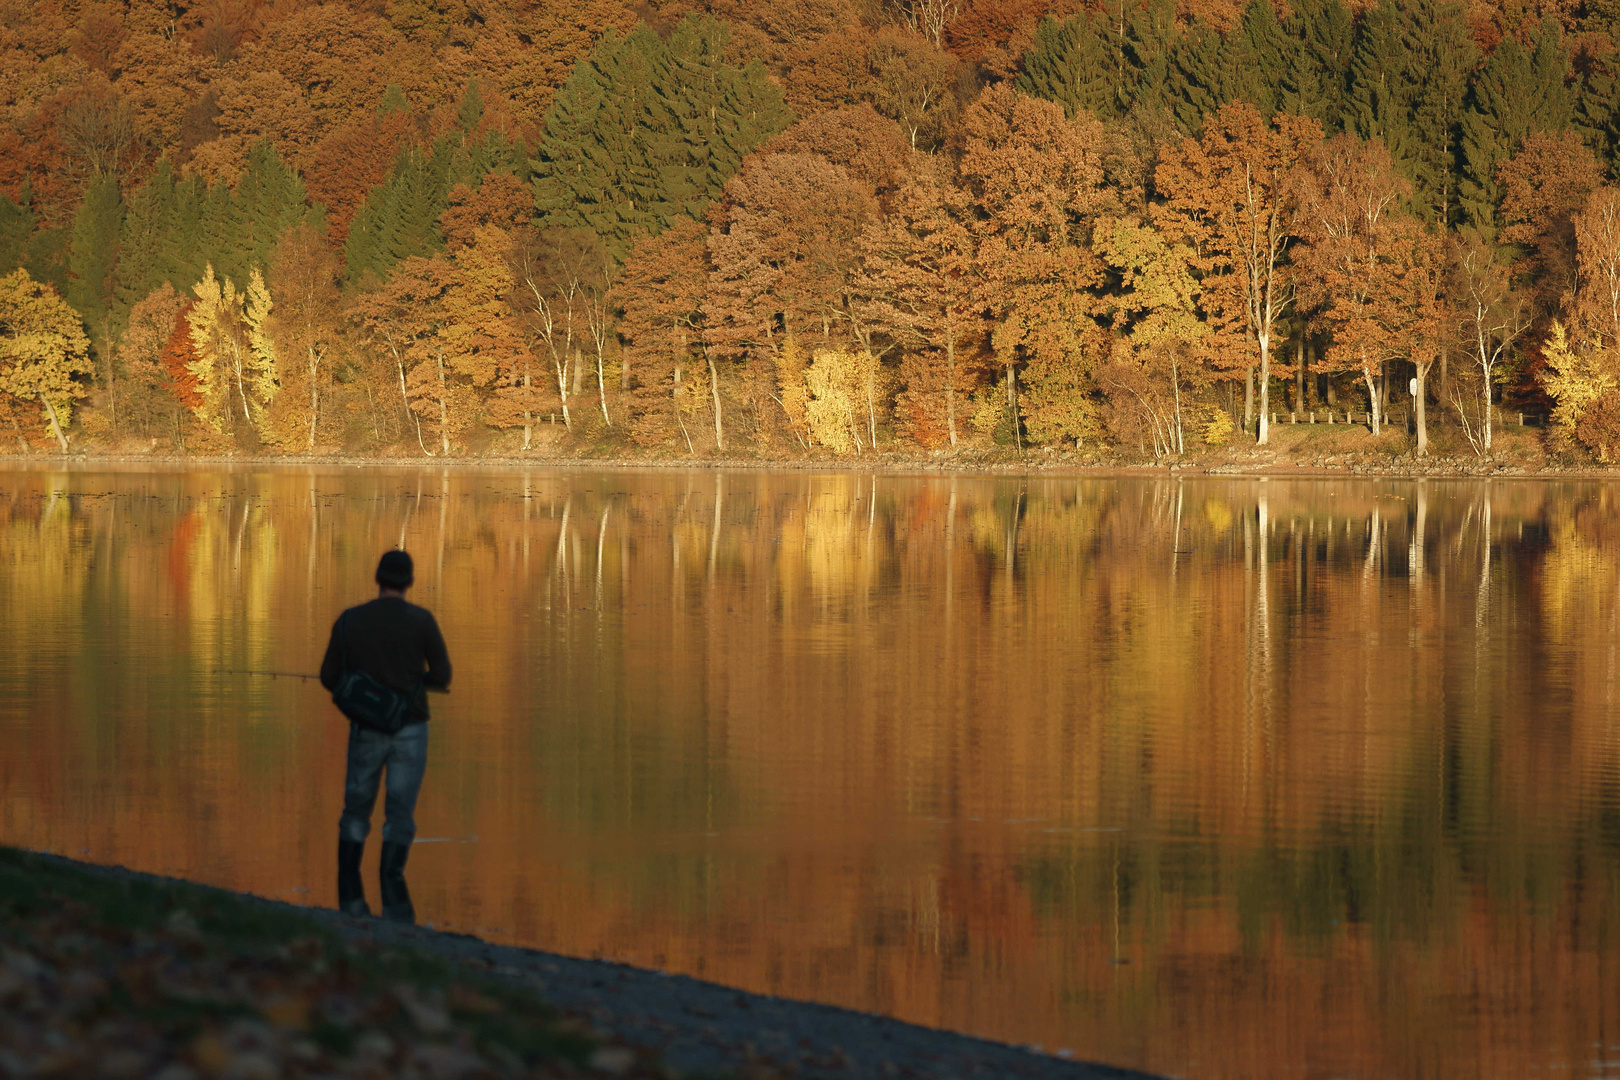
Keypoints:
pixel 1211 777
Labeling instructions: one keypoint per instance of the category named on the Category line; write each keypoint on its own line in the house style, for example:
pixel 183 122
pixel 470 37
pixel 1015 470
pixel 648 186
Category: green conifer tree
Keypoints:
pixel 707 116
pixel 1320 35
pixel 1517 93
pixel 1068 63
pixel 400 218
pixel 271 199
pixel 592 170
pixel 218 234
pixel 1271 49
pixel 644 132
pixel 93 255
pixel 1408 84
pixel 17 224
pixel 1151 37
pixel 393 100
pixel 1209 69
pixel 470 111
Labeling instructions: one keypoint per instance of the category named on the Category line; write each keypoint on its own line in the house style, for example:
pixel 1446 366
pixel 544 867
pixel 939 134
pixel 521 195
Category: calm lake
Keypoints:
pixel 1218 778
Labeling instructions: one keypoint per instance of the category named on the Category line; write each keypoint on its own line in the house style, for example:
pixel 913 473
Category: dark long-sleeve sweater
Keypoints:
pixel 392 640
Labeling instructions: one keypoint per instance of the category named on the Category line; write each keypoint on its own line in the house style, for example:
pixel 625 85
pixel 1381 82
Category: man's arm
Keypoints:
pixel 438 659
pixel 332 663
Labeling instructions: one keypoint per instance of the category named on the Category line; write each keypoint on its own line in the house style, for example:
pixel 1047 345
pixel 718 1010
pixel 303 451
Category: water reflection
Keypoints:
pixel 1221 778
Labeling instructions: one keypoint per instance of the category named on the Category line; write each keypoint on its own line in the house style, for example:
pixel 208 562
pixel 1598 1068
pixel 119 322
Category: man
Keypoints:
pixel 398 644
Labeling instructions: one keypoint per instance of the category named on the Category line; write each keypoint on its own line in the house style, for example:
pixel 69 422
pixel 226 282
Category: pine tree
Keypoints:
pixel 1320 37
pixel 1408 81
pixel 393 100
pixel 644 132
pixel 592 170
pixel 218 232
pixel 1268 43
pixel 400 218
pixel 94 254
pixel 17 224
pixel 1209 69
pixel 1597 110
pixel 1068 63
pixel 1516 93
pixel 1151 36
pixel 470 110
pixel 270 199
pixel 707 116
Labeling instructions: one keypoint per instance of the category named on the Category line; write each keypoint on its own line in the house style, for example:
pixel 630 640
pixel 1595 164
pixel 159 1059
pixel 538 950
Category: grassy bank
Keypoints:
pixel 103 974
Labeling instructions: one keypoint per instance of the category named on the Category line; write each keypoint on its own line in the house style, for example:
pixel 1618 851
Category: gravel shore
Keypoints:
pixel 696 1026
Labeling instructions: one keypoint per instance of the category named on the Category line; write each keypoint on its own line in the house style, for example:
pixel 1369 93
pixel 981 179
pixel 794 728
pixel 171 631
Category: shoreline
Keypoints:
pixel 690 1025
pixel 1252 465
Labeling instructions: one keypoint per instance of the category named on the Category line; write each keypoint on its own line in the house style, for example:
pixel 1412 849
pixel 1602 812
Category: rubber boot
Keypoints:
pixel 396 896
pixel 351 890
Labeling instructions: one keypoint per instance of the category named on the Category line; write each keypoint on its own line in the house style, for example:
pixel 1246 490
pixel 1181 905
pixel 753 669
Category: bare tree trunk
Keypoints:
pixel 56 427
pixel 714 392
pixel 528 417
pixel 1299 355
pixel 1248 398
pixel 314 397
pixel 1012 406
pixel 1175 386
pixel 444 408
pixel 675 398
pixel 1420 410
pixel 399 365
pixel 1264 437
pixel 236 363
pixel 950 388
pixel 562 389
pixel 1486 427
pixel 1372 397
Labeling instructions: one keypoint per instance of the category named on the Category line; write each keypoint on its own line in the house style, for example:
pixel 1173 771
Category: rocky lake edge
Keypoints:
pixel 123 973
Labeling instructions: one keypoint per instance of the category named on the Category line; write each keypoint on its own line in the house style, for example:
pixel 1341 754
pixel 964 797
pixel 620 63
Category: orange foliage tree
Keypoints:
pixel 1233 196
pixel 659 301
pixel 1035 179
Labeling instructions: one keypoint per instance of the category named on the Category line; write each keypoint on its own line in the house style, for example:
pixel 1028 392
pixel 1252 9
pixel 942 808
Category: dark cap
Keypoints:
pixel 394 570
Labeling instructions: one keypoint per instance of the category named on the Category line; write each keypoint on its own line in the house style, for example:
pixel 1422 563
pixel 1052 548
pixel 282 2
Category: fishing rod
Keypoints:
pixel 267 674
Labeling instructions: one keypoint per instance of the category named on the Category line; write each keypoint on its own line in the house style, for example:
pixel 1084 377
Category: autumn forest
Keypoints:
pixel 806 227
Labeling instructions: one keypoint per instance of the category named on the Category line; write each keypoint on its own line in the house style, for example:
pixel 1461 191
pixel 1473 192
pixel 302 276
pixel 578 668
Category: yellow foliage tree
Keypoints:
pixel 235 364
pixel 1157 308
pixel 844 388
pixel 43 350
pixel 1579 381
pixel 795 399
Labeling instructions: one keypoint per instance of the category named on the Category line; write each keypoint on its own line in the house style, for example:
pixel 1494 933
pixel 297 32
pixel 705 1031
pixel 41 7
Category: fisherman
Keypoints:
pixel 398 648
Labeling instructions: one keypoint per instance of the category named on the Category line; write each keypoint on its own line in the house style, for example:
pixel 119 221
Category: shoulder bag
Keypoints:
pixel 366 699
